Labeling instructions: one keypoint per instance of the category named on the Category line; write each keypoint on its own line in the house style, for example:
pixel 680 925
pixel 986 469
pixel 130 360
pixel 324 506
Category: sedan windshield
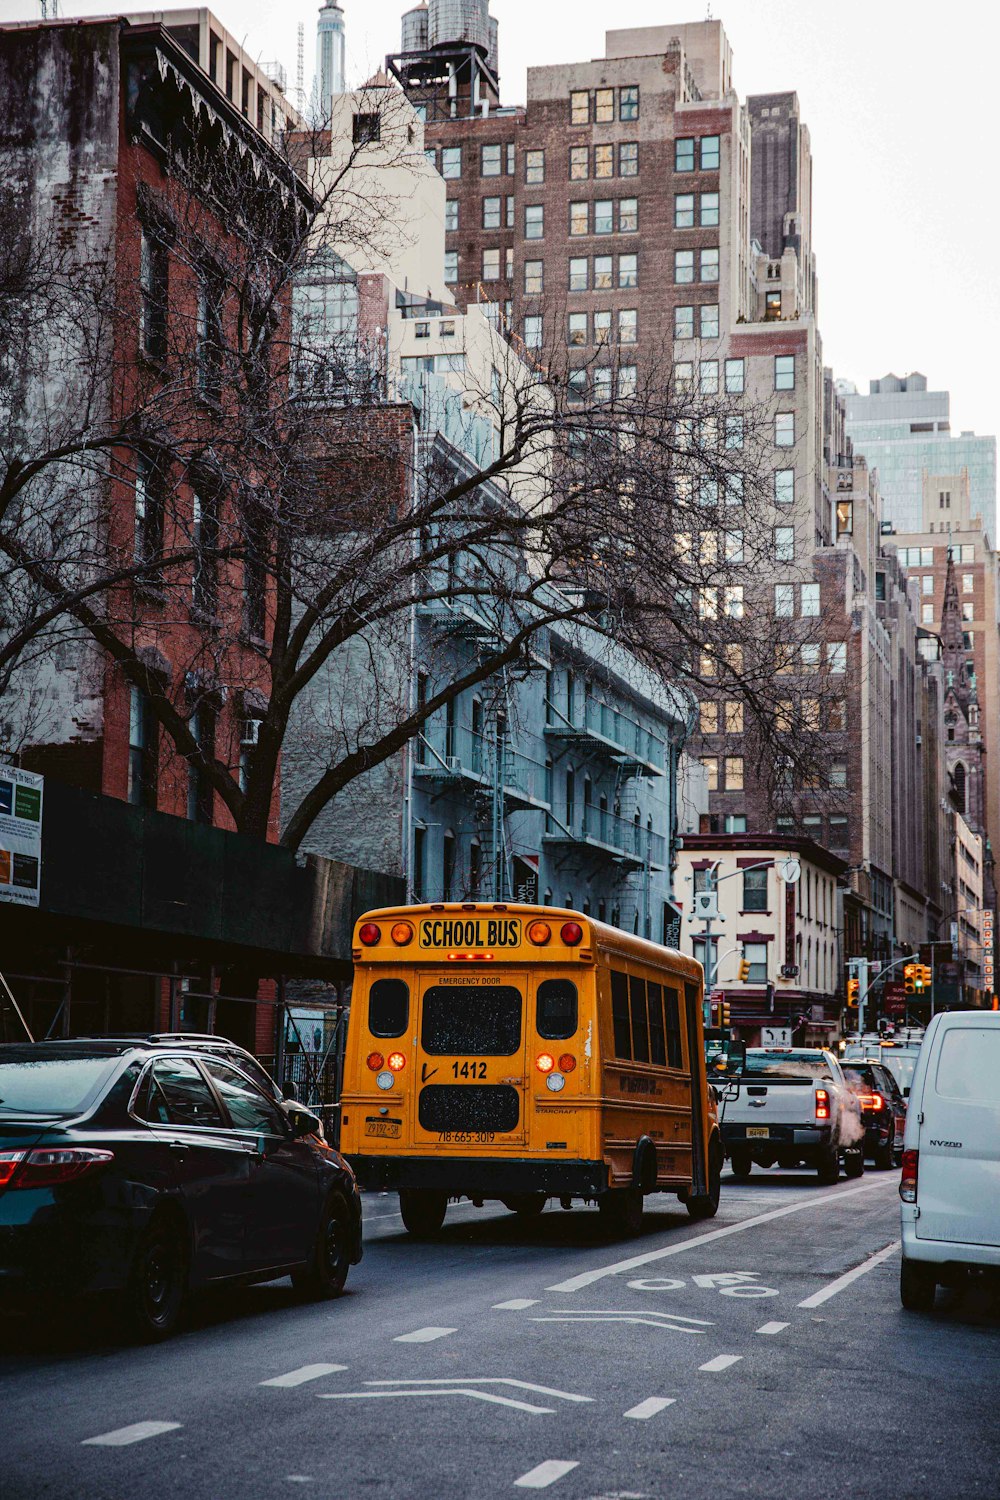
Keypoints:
pixel 786 1065
pixel 31 1084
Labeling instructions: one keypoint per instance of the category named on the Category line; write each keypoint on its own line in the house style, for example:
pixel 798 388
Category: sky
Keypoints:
pixel 899 99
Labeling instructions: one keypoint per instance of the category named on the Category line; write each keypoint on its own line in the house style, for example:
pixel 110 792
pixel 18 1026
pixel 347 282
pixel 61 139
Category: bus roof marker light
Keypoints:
pixel 401 934
pixel 470 958
pixel 545 1062
pixel 539 933
pixel 571 934
pixel 370 934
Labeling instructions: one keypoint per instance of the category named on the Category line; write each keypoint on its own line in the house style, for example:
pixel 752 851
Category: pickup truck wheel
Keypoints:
pixel 741 1163
pixel 854 1162
pixel 917 1286
pixel 621 1209
pixel 828 1166
pixel 422 1213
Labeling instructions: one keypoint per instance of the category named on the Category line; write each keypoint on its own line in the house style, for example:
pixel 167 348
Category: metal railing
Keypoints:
pixel 615 729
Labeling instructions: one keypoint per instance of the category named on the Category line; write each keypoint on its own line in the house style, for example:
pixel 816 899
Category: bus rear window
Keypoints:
pixel 465 1021
pixel 556 1009
pixel 388 1007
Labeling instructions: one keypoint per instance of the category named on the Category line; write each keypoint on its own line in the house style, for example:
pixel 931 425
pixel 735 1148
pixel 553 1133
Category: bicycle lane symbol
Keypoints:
pixel 726 1283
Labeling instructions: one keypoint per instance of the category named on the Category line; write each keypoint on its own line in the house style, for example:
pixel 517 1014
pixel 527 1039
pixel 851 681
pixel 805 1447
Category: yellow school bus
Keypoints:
pixel 525 1053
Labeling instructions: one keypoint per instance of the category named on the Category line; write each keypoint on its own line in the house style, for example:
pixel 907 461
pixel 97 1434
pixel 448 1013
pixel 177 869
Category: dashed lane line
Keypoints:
pixel 650 1407
pixel 122 1437
pixel 825 1293
pixel 516 1304
pixel 423 1335
pixel 303 1375
pixel 542 1475
pixel 720 1362
pixel 586 1278
pixel 774 1328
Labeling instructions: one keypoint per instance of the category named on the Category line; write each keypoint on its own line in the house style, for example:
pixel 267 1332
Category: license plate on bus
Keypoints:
pixel 390 1128
pixel 757 1132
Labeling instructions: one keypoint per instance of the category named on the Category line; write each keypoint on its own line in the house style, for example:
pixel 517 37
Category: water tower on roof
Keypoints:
pixel 448 60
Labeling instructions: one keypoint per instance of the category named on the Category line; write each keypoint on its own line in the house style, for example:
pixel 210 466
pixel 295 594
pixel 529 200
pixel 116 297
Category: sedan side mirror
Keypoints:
pixel 303 1121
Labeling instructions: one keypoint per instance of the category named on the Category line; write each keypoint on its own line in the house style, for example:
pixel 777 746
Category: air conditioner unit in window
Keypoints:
pixel 251 732
pixel 453 762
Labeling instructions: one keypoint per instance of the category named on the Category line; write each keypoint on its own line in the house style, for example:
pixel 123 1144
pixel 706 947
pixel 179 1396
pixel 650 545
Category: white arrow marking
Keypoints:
pixel 521 1385
pixel 669 1322
pixel 539 1411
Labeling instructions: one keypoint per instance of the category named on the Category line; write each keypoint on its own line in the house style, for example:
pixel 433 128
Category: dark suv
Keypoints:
pixel 883 1110
pixel 151 1166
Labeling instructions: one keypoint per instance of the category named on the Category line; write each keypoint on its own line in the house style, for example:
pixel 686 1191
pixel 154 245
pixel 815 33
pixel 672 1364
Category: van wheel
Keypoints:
pixel 157 1283
pixel 621 1208
pixel 741 1163
pixel 526 1205
pixel 325 1272
pixel 423 1213
pixel 706 1205
pixel 917 1286
pixel 828 1166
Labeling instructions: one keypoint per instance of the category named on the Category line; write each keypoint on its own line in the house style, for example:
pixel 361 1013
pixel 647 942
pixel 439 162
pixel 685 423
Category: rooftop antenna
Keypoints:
pixel 50 10
pixel 300 70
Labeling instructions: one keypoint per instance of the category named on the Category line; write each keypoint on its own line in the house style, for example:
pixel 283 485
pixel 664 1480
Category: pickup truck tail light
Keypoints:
pixel 908 1180
pixel 822 1104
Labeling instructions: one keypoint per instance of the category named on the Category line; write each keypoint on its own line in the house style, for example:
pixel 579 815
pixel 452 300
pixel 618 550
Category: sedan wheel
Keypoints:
pixel 326 1271
pixel 157 1284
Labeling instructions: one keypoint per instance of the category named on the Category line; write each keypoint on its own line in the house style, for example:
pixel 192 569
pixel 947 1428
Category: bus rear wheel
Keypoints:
pixel 621 1208
pixel 526 1205
pixel 706 1205
pixel 423 1213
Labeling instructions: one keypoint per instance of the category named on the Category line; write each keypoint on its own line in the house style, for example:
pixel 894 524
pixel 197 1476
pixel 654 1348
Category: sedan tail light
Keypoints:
pixel 49 1166
pixel 908 1181
pixel 871 1101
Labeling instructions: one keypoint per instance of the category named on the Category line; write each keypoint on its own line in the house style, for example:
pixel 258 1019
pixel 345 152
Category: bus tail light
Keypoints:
pixel 567 1062
pixel 539 933
pixel 545 1062
pixel 401 934
pixel 396 1061
pixel 369 934
pixel 908 1180
pixel 470 958
pixel 571 934
pixel 822 1104
pixel 375 1060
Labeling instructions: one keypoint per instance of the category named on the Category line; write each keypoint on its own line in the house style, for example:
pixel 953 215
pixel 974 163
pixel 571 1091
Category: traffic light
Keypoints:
pixel 910 978
pixel 927 975
pixel 724 1021
pixel 744 973
pixel 853 993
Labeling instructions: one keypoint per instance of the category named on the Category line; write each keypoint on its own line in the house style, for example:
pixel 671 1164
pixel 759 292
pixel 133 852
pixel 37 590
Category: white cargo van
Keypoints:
pixel 950 1184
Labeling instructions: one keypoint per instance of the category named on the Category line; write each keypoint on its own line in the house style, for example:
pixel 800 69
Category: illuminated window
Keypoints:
pixel 604 106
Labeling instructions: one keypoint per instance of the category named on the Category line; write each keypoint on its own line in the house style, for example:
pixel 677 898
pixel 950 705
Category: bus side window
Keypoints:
pixel 672 1015
pixel 619 1014
pixel 640 1025
pixel 556 1009
pixel 388 1007
pixel 657 1045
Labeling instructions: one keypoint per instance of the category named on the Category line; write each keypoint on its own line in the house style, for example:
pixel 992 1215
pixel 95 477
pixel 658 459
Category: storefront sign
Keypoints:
pixel 20 836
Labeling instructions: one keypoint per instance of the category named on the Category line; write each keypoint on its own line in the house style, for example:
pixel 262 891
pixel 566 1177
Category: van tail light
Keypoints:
pixel 822 1104
pixel 49 1166
pixel 908 1181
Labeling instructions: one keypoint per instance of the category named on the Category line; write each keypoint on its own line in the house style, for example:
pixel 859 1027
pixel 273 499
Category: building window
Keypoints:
pixel 199 791
pixel 968 612
pixel 967 583
pixel 604 216
pixel 683 322
pixel 451 266
pixel 684 211
pixel 711 764
pixel 142 750
pixel 708 320
pixel 154 291
pixel 534 278
pixel 604 277
pixel 838 773
pixel 927 614
pixel 491 265
pixel 534 222
pixel 628 215
pixel 451 215
pixel 708 717
pixel 204 543
pixel 628 270
pixel 419 861
pixel 734 773
pixel 733 432
pixel 784 429
pixel 838 832
pixel 602 384
pixel 489 161
pixel 534 166
pixel 604 106
pixel 579 163
pixel 733 601
pixel 602 327
pixel 684 154
pixel 683 267
pixel 604 161
pixel 577 332
pixel 784 544
pixel 734 716
pixel 755 890
pixel 491 213
pixel 708 263
pixel 784 486
pixel 209 337
pixel 784 372
pixel 708 377
pixel 708 210
pixel 755 954
pixel 784 599
pixel 836 656
pixel 579 273
pixel 579 218
pixel 533 331
pixel 451 162
pixel 366 129
pixel 735 823
pixel 628 325
pixel 735 376
pixel 684 379
pixel 628 379
pixel 628 103
pixel 810 599
pixel 147 544
pixel 628 159
pixel 845 517
pixel 709 153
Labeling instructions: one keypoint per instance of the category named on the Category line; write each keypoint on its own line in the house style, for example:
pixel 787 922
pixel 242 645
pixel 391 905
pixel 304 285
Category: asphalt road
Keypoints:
pixel 761 1354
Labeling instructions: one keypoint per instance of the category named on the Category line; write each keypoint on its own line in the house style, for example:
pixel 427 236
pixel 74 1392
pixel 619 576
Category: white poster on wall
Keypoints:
pixel 20 836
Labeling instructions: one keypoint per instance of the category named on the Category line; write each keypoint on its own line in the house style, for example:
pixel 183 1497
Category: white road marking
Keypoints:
pixel 720 1362
pixel 123 1436
pixel 586 1278
pixel 516 1304
pixel 521 1385
pixel 773 1328
pixel 306 1373
pixel 818 1298
pixel 668 1322
pixel 540 1411
pixel 540 1477
pixel 423 1335
pixel 650 1407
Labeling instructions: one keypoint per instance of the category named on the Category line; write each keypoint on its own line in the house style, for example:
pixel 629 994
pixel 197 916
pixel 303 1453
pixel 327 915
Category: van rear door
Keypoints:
pixel 959 1177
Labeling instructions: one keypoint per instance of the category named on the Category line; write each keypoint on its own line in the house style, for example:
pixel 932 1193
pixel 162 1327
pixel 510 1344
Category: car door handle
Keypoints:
pixel 179 1148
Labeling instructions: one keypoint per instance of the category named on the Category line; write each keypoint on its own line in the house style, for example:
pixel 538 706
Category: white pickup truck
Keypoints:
pixel 793 1106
